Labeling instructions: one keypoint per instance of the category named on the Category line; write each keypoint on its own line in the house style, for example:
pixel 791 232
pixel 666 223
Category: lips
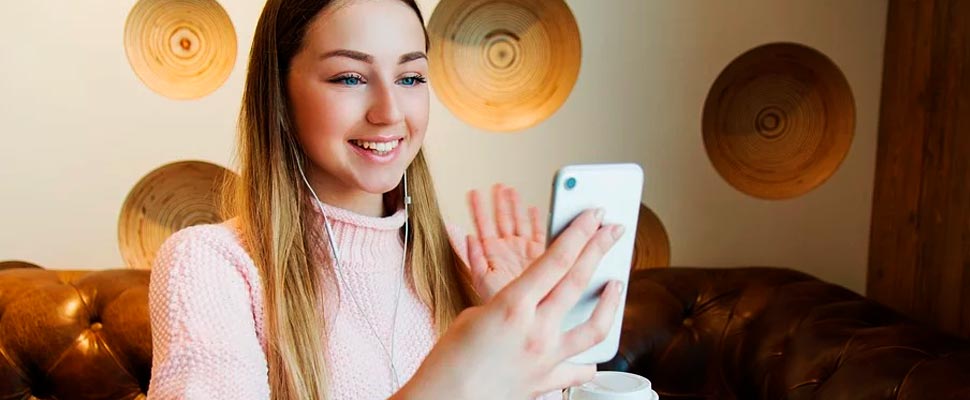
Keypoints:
pixel 383 151
pixel 382 146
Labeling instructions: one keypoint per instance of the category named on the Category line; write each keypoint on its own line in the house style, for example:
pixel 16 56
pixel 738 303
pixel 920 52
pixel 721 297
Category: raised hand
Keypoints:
pixel 509 241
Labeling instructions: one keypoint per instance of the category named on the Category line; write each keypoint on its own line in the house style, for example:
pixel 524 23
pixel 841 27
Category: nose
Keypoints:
pixel 384 109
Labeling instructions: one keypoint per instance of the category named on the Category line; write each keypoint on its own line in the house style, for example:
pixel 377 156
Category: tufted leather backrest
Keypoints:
pixel 74 334
pixel 734 333
pixel 768 333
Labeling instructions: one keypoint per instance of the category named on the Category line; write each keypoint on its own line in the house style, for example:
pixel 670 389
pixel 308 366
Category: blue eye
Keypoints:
pixel 348 80
pixel 412 80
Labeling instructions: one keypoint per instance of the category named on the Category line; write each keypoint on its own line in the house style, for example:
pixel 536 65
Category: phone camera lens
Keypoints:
pixel 570 183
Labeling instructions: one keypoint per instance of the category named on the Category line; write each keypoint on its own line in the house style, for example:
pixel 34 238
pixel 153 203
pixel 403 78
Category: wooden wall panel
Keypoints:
pixel 919 256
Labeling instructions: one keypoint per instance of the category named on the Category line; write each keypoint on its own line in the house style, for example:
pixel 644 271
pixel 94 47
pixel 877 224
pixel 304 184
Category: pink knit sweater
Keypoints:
pixel 206 308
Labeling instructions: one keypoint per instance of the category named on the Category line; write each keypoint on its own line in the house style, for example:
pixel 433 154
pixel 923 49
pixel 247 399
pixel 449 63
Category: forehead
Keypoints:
pixel 382 28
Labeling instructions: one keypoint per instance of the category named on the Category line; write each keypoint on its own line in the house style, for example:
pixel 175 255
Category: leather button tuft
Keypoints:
pixel 96 326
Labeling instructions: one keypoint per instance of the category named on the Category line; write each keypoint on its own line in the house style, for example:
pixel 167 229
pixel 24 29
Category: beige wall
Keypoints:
pixel 79 128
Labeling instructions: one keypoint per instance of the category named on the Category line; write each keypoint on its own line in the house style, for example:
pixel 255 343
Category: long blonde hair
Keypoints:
pixel 275 219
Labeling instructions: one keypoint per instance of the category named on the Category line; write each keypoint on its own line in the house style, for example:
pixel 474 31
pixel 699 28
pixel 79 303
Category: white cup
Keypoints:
pixel 613 385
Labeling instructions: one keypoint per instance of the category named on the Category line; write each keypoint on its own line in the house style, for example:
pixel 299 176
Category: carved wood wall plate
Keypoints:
pixel 651 249
pixel 503 65
pixel 779 120
pixel 181 49
pixel 170 198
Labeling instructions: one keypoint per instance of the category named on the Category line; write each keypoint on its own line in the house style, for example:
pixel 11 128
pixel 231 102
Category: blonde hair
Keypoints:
pixel 274 218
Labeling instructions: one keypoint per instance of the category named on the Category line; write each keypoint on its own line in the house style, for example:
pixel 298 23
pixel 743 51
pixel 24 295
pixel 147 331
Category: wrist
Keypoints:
pixel 406 392
pixel 444 387
pixel 415 389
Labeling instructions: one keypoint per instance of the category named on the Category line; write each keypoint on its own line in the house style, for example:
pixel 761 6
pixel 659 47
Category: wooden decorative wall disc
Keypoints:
pixel 651 249
pixel 779 120
pixel 503 65
pixel 182 49
pixel 169 198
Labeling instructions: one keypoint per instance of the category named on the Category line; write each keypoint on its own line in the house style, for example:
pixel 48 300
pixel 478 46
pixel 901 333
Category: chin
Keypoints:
pixel 379 185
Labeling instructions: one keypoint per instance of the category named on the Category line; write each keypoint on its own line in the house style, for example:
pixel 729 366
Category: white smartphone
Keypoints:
pixel 616 188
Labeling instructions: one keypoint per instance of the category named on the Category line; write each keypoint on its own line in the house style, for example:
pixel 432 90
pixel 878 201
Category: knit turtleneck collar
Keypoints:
pixel 365 243
pixel 392 222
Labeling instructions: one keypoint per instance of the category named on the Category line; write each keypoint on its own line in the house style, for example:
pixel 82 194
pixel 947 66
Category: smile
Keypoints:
pixel 380 152
pixel 379 148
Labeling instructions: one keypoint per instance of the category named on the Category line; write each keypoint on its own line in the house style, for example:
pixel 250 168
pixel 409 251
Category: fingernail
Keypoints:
pixel 618 231
pixel 599 214
pixel 616 286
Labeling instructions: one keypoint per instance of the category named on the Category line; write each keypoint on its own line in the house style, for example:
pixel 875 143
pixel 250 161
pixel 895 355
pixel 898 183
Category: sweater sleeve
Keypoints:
pixel 204 339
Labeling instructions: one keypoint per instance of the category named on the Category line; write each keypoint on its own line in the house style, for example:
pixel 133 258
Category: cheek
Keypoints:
pixel 417 114
pixel 321 118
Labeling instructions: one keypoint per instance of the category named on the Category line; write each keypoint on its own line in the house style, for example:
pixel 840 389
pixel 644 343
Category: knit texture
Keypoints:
pixel 206 308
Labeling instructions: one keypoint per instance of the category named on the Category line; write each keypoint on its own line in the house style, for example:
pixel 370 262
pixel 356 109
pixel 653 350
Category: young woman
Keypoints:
pixel 337 278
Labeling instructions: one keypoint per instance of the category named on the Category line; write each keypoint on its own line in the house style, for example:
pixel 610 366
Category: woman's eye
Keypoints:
pixel 348 80
pixel 412 80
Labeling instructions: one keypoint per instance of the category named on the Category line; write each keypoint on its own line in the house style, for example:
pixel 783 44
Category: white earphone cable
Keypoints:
pixel 389 352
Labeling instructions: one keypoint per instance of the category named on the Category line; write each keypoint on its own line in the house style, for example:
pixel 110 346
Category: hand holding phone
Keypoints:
pixel 616 189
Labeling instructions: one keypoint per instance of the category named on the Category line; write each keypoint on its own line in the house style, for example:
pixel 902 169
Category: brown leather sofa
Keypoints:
pixel 73 334
pixel 737 333
pixel 769 333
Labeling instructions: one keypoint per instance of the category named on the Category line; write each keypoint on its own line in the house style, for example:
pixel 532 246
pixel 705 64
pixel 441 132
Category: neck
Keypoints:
pixel 335 194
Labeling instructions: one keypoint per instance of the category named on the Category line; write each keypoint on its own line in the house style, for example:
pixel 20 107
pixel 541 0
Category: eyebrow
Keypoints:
pixel 414 55
pixel 367 58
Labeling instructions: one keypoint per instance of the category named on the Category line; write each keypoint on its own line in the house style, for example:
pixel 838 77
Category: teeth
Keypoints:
pixel 378 147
